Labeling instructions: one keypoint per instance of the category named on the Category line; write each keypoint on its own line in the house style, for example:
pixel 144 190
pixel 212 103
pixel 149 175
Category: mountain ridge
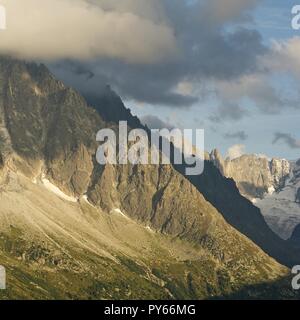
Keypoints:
pixel 51 134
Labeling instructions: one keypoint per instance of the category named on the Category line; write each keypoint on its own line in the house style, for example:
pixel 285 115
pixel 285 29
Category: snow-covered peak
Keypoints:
pixel 281 209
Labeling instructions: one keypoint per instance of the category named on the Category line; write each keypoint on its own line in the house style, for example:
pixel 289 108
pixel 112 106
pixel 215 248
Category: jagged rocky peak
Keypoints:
pixel 111 107
pixel 46 127
pixel 255 175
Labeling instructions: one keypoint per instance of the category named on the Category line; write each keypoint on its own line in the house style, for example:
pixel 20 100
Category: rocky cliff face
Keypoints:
pixel 48 148
pixel 281 209
pixel 272 185
pixel 255 176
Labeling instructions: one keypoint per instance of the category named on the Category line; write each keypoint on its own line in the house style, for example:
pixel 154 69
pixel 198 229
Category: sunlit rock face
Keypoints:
pixel 255 175
pixel 272 185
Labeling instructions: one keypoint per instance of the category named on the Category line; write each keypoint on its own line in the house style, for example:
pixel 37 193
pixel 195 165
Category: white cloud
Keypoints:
pixel 257 87
pixel 185 88
pixel 236 151
pixel 55 29
pixel 284 56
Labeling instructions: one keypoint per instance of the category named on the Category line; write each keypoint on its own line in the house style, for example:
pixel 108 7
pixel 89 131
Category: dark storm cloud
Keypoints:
pixel 153 122
pixel 205 51
pixel 78 69
pixel 228 111
pixel 259 93
pixel 240 135
pixel 287 139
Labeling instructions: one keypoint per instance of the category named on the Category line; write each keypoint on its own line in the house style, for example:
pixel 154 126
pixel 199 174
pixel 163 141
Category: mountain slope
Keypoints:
pixel 58 249
pixel 223 193
pixel 48 150
pixel 239 212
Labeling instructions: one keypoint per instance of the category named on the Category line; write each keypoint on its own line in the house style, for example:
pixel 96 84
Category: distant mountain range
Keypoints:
pixel 72 229
pixel 272 185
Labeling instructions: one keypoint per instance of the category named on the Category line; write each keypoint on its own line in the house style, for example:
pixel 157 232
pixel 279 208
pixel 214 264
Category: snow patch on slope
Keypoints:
pixel 282 215
pixel 116 210
pixel 149 229
pixel 280 209
pixel 53 188
pixel 85 198
pixel 271 190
